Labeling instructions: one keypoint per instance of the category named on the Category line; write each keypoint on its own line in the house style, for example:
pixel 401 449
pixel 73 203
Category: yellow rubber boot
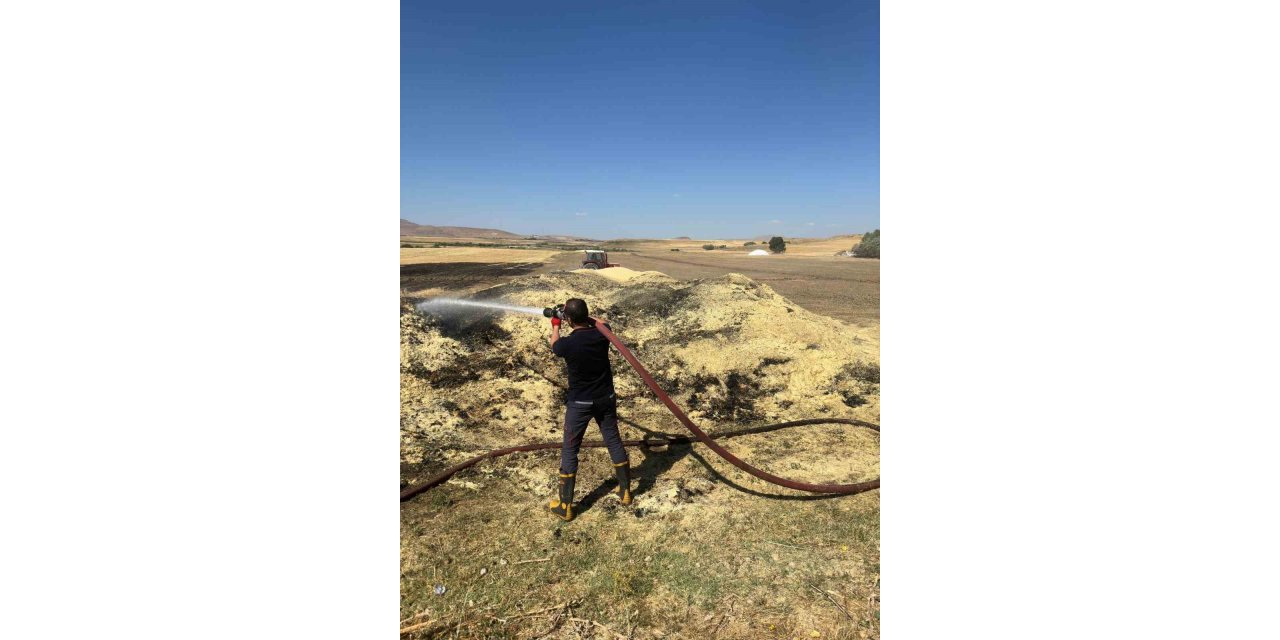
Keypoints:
pixel 623 470
pixel 563 507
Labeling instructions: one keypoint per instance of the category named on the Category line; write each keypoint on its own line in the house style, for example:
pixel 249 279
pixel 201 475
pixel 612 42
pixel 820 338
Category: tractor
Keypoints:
pixel 597 259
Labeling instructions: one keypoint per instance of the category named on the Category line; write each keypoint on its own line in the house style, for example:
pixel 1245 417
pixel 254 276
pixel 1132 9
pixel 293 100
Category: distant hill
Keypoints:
pixel 765 238
pixel 564 238
pixel 413 229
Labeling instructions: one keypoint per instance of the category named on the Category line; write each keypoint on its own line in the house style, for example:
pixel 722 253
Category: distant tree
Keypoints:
pixel 675 249
pixel 777 244
pixel 723 246
pixel 749 244
pixel 708 247
pixel 870 245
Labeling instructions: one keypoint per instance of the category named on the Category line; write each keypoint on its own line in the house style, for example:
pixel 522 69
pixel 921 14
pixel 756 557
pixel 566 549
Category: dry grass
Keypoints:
pixel 725 564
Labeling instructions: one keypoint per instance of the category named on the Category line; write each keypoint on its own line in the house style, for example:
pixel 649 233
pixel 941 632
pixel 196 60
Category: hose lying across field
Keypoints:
pixel 698 436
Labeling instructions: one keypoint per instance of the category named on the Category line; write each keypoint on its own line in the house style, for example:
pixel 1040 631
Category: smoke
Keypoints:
pixel 441 306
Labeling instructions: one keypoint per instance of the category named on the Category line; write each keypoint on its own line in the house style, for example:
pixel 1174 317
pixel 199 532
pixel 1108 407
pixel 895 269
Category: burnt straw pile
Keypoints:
pixel 729 350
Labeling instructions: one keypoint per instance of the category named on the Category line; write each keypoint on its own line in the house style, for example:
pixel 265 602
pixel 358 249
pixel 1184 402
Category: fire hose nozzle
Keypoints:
pixel 554 312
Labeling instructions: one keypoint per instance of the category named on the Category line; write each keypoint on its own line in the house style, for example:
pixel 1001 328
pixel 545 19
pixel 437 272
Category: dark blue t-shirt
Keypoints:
pixel 586 353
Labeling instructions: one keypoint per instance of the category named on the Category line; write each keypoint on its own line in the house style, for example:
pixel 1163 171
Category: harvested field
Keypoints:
pixel 847 289
pixel 453 270
pixel 795 246
pixel 434 255
pixel 706 550
pixel 432 279
pixel 844 288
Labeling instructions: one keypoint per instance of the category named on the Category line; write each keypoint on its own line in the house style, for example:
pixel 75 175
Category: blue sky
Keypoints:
pixel 642 119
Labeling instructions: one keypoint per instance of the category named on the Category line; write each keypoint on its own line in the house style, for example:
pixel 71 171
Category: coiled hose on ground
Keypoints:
pixel 698 436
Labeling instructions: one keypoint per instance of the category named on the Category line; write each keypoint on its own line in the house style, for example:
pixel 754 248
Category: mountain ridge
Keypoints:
pixel 408 228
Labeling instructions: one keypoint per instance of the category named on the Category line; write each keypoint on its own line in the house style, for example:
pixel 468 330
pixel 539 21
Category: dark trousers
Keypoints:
pixel 577 416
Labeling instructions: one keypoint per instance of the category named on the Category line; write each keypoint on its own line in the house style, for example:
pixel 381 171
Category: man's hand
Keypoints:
pixel 555 322
pixel 555 330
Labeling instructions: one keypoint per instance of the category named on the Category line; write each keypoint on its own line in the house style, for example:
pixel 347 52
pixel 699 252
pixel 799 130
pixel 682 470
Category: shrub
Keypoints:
pixel 749 244
pixel 675 249
pixel 723 246
pixel 777 244
pixel 870 245
pixel 708 247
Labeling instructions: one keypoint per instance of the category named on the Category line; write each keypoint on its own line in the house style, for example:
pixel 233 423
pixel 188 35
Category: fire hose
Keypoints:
pixel 698 436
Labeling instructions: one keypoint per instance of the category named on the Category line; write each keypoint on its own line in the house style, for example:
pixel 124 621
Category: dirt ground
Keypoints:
pixel 795 246
pixel 706 550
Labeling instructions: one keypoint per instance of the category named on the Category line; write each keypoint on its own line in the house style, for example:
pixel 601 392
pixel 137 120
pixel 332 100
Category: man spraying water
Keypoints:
pixel 586 355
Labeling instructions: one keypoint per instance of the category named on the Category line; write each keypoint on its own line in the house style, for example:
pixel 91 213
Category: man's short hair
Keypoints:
pixel 576 309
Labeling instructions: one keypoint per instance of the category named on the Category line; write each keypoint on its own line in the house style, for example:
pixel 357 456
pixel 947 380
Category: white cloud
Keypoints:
pixel 581 214
pixel 808 224
pixel 775 222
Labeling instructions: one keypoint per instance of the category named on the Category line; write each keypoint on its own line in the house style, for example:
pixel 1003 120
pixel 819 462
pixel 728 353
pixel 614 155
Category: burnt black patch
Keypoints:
pixel 852 399
pixel 734 399
pixel 864 371
pixel 448 377
pixel 856 380
pixel 647 302
pixel 769 362
pixel 414 472
pixel 473 329
pixel 453 408
pixel 669 383
pixel 458 275
pixel 701 381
